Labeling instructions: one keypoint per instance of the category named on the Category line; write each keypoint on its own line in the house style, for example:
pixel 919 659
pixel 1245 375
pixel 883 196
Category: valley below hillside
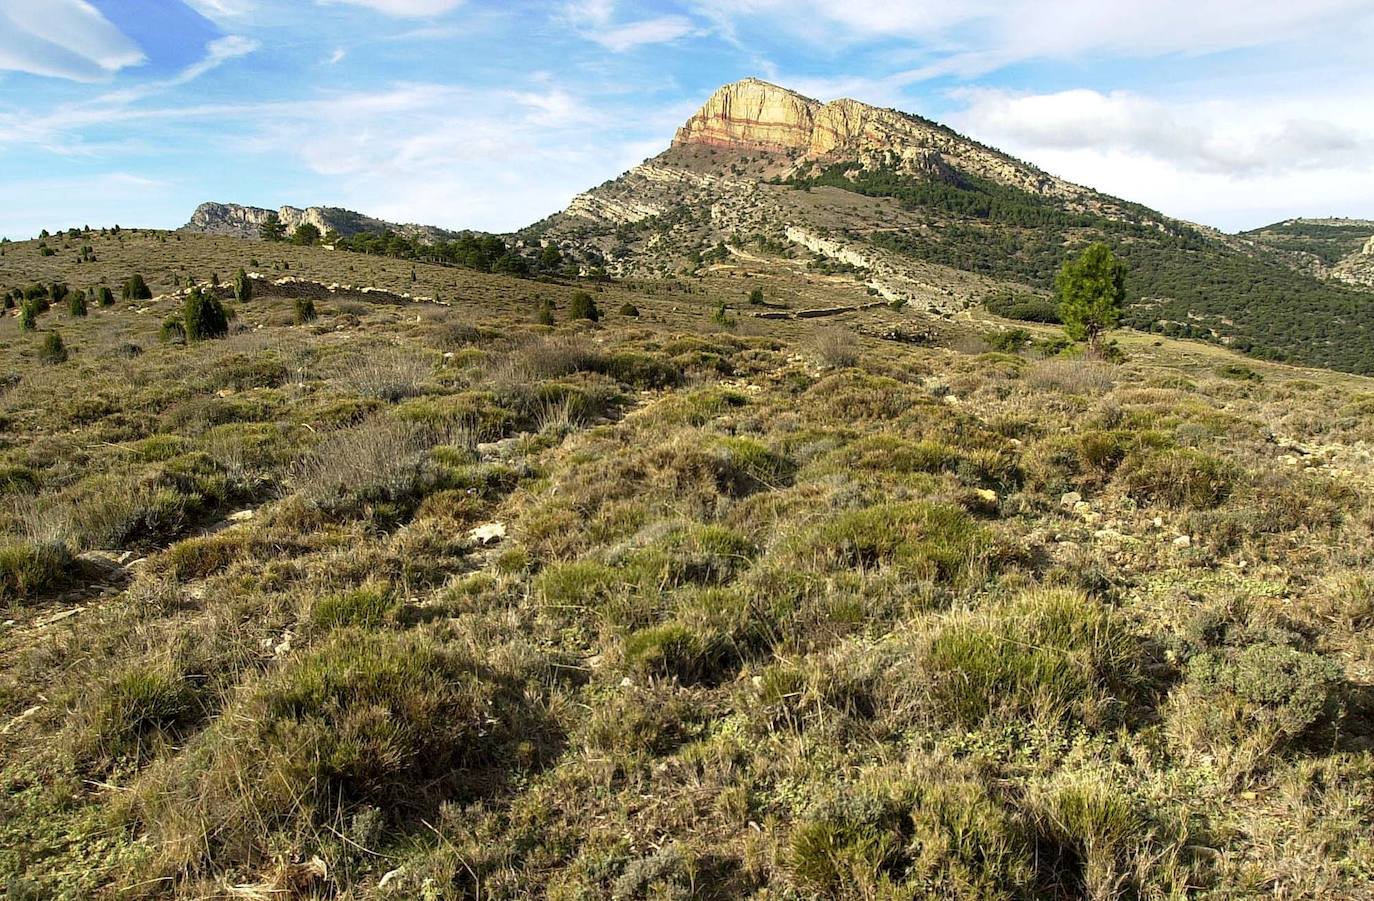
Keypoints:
pixel 797 573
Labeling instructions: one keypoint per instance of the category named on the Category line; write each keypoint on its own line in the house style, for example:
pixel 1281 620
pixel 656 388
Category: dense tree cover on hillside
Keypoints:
pixel 1181 283
pixel 485 253
pixel 1328 241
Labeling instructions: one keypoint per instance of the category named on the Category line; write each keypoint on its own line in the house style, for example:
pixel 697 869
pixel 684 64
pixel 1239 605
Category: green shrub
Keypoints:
pixel 393 722
pixel 369 605
pixel 743 465
pixel 304 310
pixel 917 539
pixel 135 288
pixel 583 307
pixel 76 304
pixel 53 350
pixel 1023 307
pixel 172 330
pixel 134 712
pixel 931 834
pixel 629 309
pixel 27 568
pixel 17 479
pixel 1091 835
pixel 28 316
pixel 694 553
pixel 756 297
pixel 204 316
pixel 544 314
pixel 243 287
pixel 104 296
pixel 1181 478
pixel 640 370
pixel 159 448
pixel 202 556
pixel 1054 654
pixel 1264 689
pixel 1009 340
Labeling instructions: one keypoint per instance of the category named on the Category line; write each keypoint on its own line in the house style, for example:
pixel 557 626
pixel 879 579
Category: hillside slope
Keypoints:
pixel 473 599
pixel 911 209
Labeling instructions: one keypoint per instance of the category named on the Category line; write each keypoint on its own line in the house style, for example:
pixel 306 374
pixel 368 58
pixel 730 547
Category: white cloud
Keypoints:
pixel 222 9
pixel 1236 137
pixel 337 56
pixel 217 53
pixel 649 31
pixel 1233 163
pixel 402 8
pixel 594 20
pixel 62 39
pixel 977 36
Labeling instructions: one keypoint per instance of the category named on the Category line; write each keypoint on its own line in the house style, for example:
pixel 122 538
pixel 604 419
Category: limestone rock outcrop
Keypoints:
pixel 752 114
pixel 241 221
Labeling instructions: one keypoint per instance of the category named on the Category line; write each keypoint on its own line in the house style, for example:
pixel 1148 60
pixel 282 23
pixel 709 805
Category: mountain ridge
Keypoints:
pixel 242 221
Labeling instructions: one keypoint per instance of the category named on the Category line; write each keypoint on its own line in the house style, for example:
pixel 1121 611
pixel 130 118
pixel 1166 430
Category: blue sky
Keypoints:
pixel 486 114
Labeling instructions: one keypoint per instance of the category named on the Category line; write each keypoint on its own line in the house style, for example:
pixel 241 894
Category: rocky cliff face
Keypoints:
pixel 241 221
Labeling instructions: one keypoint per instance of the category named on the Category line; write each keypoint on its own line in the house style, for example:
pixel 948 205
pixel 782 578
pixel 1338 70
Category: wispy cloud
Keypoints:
pixel 981 36
pixel 595 21
pixel 62 39
pixel 402 8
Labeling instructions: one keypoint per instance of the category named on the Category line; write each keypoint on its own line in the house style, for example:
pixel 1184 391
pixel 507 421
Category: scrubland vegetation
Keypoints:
pixel 424 601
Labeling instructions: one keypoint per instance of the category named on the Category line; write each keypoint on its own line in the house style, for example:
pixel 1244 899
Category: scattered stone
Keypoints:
pixel 390 876
pixel 1070 500
pixel 1183 541
pixel 19 720
pixel 241 516
pixel 490 533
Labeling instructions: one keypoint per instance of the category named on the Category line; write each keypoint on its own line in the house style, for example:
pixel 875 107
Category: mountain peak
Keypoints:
pixel 753 114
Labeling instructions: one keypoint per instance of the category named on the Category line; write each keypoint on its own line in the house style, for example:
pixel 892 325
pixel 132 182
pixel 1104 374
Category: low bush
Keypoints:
pixel 135 288
pixel 28 568
pixel 1053 654
pixel 203 316
pixel 918 540
pixel 393 722
pixel 910 835
pixel 134 713
pixel 369 605
pixel 1181 478
pixel 54 350
pixel 835 347
pixel 1242 704
pixel 583 306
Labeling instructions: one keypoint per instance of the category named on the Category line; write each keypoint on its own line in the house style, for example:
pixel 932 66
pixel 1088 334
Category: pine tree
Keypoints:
pixel 1092 292
pixel 272 228
pixel 104 296
pixel 76 303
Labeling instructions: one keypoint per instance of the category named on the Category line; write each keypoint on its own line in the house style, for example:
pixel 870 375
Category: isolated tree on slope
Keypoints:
pixel 272 228
pixel 1092 291
pixel 243 287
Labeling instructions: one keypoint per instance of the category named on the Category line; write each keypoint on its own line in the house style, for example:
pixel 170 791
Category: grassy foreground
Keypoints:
pixel 425 601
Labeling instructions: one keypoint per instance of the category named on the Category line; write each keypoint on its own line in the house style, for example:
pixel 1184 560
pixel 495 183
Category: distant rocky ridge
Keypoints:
pixel 241 221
